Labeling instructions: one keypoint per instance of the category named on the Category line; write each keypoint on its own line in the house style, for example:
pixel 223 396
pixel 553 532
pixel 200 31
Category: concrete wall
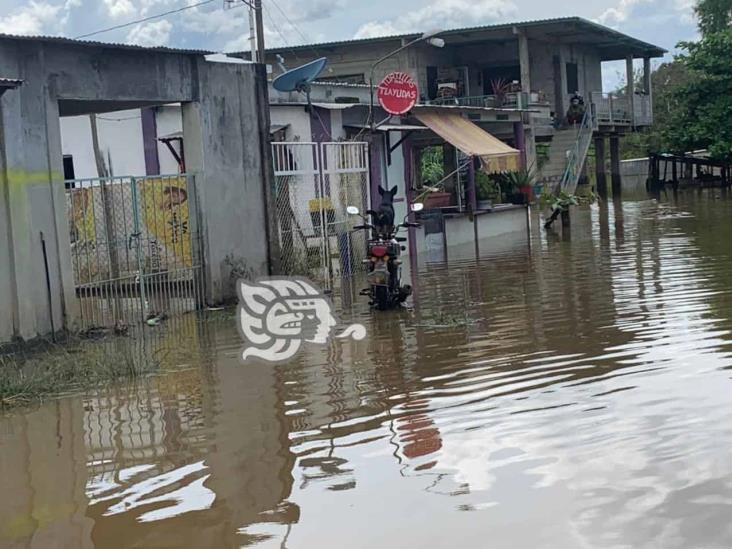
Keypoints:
pixel 226 121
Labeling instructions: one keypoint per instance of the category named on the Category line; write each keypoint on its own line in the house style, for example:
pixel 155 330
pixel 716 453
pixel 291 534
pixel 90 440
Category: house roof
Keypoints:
pixel 95 44
pixel 10 82
pixel 612 44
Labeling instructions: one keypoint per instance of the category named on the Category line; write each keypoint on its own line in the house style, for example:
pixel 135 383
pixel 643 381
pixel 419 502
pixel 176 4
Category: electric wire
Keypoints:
pixel 144 19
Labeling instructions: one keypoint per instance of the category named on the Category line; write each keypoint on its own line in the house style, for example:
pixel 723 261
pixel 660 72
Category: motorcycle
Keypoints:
pixel 385 272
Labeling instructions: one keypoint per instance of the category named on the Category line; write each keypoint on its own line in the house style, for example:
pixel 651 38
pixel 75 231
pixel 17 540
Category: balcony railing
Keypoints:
pixel 509 101
pixel 615 110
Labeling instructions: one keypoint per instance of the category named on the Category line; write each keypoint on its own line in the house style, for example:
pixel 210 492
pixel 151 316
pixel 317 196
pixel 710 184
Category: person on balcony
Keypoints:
pixel 577 109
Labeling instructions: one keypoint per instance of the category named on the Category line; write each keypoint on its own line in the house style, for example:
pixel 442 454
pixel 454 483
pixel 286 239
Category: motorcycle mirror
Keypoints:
pixel 353 210
pixel 417 207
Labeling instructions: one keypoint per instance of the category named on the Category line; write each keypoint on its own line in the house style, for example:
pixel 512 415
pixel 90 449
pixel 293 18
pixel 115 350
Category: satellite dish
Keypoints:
pixel 299 79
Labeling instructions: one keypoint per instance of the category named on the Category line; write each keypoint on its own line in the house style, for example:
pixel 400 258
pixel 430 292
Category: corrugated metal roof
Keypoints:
pixel 10 82
pixel 589 25
pixel 95 44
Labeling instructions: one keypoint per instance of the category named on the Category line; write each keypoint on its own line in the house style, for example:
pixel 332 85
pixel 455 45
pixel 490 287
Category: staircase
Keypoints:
pixel 567 154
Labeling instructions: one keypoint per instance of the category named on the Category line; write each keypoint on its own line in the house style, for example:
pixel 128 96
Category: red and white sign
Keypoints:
pixel 398 93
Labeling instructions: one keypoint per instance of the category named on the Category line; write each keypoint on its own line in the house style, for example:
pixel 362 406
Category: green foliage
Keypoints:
pixel 432 165
pixel 486 187
pixel 27 377
pixel 563 201
pixel 511 182
pixel 665 80
pixel 714 15
pixel 703 104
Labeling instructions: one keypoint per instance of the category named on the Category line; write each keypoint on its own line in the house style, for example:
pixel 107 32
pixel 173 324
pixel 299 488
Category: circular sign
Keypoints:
pixel 397 93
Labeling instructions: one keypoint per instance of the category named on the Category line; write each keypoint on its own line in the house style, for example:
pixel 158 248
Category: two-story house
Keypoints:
pixel 535 66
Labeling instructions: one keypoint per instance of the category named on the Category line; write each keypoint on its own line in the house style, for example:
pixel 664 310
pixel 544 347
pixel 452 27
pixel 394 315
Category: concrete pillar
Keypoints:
pixel 519 137
pixel 615 166
pixel 647 81
pixel 33 202
pixel 525 63
pixel 630 75
pixel 600 166
pixel 234 181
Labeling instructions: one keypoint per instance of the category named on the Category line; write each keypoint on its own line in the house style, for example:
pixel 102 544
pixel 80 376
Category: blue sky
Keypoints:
pixel 289 22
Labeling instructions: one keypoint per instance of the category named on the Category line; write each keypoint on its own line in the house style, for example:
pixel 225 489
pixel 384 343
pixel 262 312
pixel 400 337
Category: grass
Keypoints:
pixel 49 369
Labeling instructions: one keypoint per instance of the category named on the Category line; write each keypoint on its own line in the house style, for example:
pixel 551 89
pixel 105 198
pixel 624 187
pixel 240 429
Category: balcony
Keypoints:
pixel 614 110
pixel 513 100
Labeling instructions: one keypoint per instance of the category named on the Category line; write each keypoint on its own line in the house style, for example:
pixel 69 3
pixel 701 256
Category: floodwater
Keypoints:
pixel 570 393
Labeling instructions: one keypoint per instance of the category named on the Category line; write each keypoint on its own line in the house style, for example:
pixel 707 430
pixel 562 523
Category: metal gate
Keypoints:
pixel 135 248
pixel 314 183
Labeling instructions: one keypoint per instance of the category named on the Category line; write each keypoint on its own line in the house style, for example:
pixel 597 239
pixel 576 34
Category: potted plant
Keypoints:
pixel 517 186
pixel 486 190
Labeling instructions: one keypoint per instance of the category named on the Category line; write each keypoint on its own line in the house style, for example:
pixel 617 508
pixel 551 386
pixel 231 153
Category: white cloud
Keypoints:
pixel 34 18
pixel 120 8
pixel 150 34
pixel 443 14
pixel 619 14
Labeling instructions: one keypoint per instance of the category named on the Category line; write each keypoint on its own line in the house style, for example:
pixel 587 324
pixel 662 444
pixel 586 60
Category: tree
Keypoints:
pixel 702 107
pixel 714 15
pixel 665 80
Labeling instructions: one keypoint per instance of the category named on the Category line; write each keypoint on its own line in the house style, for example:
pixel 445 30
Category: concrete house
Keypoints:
pixel 536 66
pixel 112 249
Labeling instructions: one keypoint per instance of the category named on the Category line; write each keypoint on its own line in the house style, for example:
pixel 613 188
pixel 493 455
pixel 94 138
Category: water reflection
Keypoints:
pixel 569 393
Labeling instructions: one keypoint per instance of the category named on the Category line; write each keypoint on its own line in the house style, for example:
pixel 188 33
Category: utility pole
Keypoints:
pixel 252 34
pixel 260 31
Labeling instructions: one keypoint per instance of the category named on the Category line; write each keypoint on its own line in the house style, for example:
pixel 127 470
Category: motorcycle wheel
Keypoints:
pixel 381 297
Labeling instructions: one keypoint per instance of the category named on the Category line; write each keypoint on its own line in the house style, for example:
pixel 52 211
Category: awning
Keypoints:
pixel 460 132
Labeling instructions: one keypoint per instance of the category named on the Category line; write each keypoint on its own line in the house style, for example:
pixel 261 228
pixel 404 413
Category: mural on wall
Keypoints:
pixel 165 213
pixel 106 229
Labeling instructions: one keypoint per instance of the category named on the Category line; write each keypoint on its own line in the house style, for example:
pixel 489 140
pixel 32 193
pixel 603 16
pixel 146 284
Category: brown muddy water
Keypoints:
pixel 571 393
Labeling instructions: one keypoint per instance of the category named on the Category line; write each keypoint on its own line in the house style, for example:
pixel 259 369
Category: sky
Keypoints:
pixel 291 22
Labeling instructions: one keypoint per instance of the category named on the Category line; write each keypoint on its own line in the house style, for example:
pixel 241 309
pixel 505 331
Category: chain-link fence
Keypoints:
pixel 315 183
pixel 135 247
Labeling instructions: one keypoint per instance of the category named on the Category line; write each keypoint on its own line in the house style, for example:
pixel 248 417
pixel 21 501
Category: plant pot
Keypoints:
pixel 528 192
pixel 485 204
pixel 517 198
pixel 437 200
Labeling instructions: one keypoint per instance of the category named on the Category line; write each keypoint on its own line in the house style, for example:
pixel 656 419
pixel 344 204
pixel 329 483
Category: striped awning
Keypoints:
pixel 472 140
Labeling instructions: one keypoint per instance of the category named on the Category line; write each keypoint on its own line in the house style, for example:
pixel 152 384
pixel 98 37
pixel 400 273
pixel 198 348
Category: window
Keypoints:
pixel 69 170
pixel 572 78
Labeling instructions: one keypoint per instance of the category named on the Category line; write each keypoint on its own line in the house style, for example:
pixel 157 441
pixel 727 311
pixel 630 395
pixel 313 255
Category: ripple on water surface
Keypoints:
pixel 568 393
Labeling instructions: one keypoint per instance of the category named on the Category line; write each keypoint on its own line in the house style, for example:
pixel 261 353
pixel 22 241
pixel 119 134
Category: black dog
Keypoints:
pixel 383 219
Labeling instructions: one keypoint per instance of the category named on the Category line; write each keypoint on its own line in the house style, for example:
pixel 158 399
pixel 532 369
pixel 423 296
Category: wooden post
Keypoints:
pixel 600 166
pixel 615 166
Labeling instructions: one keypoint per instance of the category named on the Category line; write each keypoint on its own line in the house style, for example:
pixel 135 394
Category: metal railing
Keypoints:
pixel 135 247
pixel 509 101
pixel 314 184
pixel 578 153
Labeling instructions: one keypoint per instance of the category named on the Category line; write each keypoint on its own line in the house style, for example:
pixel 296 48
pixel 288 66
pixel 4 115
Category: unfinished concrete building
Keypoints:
pixel 122 247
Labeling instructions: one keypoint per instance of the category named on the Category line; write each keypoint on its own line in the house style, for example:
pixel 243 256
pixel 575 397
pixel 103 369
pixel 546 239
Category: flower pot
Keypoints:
pixel 437 200
pixel 517 198
pixel 485 204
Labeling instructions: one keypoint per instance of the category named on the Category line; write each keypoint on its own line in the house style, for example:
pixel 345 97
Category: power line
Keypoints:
pixel 143 20
pixel 297 29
